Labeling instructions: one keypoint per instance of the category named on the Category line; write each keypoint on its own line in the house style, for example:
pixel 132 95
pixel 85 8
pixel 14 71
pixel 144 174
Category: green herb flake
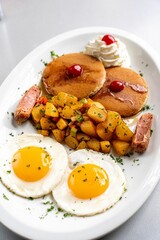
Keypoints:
pixel 5 197
pixel 30 198
pixel 9 171
pixel 48 202
pixel 67 215
pixel 151 132
pixel 50 209
pixel 53 54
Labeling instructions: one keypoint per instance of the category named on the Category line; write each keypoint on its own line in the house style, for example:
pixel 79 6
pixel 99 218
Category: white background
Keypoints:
pixel 28 23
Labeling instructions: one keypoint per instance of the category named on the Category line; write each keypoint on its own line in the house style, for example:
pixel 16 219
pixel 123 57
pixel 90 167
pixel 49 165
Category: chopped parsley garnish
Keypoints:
pixel 45 64
pixel 50 209
pixel 9 171
pixel 53 54
pixel 48 202
pixel 75 164
pixel 151 132
pixel 5 197
pixel 30 198
pixel 146 107
pixel 67 215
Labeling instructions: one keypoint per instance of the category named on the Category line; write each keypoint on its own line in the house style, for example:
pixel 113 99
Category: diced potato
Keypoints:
pixel 44 132
pixel 82 137
pixel 67 112
pixel 51 110
pixel 61 99
pixel 73 131
pixel 123 132
pixel 77 106
pixel 82 145
pixel 71 142
pixel 58 134
pixel 89 128
pixel 98 104
pixel 62 123
pixel 71 100
pixel 93 144
pixel 97 114
pixel 120 147
pixel 38 112
pixel 54 101
pixel 112 120
pixel 47 124
pixel 105 146
pixel 103 132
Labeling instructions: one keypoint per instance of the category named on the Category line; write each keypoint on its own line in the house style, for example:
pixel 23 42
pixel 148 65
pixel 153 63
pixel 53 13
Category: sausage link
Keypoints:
pixel 26 104
pixel 141 136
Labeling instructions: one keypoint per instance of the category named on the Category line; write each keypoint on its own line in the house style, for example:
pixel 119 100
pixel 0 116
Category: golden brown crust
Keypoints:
pixel 128 101
pixel 56 80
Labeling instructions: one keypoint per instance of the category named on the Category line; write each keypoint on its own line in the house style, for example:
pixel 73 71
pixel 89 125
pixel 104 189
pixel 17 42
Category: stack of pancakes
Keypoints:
pixel 94 82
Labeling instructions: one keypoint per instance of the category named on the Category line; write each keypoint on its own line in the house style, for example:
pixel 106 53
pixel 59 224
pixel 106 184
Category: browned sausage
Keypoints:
pixel 26 104
pixel 141 136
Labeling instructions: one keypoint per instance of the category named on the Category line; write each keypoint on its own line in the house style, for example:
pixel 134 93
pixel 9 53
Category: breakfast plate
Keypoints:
pixel 40 218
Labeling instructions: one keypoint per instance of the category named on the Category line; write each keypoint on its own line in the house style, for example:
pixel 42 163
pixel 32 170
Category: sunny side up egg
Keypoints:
pixel 92 184
pixel 32 165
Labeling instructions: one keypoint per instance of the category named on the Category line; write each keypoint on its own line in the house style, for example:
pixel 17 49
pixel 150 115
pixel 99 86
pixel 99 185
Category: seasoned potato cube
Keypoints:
pixel 93 144
pixel 112 120
pixel 103 132
pixel 82 137
pixel 98 104
pixel 54 101
pixel 62 123
pixel 44 132
pixel 51 110
pixel 105 146
pixel 89 128
pixel 73 131
pixel 77 106
pixel 123 132
pixel 38 112
pixel 58 134
pixel 61 99
pixel 71 142
pixel 120 147
pixel 47 124
pixel 97 114
pixel 82 145
pixel 71 100
pixel 67 112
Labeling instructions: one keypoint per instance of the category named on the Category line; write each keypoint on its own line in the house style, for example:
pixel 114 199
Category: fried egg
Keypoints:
pixel 32 165
pixel 92 184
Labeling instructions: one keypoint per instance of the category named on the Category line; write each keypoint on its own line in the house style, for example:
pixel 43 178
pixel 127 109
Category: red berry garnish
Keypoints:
pixel 75 70
pixel 108 39
pixel 116 86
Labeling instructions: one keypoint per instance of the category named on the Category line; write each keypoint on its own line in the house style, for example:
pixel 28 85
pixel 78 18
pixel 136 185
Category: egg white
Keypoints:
pixel 87 207
pixel 43 186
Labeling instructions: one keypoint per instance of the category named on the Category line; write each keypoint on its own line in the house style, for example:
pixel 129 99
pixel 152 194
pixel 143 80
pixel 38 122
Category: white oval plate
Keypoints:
pixel 24 216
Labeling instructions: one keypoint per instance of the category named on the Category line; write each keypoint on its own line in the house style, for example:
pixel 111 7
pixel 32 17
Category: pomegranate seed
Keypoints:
pixel 108 39
pixel 75 70
pixel 116 86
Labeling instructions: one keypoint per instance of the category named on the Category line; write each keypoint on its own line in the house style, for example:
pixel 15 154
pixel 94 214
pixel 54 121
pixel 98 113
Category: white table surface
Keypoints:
pixel 28 23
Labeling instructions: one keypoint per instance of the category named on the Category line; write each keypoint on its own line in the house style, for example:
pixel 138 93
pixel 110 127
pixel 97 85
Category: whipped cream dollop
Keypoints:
pixel 111 55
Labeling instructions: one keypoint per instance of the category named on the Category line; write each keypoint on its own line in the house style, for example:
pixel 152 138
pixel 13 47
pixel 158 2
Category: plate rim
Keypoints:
pixel 156 59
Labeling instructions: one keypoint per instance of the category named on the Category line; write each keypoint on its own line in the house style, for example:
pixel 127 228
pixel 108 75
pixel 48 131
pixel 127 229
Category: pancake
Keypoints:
pixel 55 78
pixel 131 99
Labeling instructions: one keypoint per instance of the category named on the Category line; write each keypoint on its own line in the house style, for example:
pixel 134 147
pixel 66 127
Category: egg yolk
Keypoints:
pixel 31 163
pixel 88 181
